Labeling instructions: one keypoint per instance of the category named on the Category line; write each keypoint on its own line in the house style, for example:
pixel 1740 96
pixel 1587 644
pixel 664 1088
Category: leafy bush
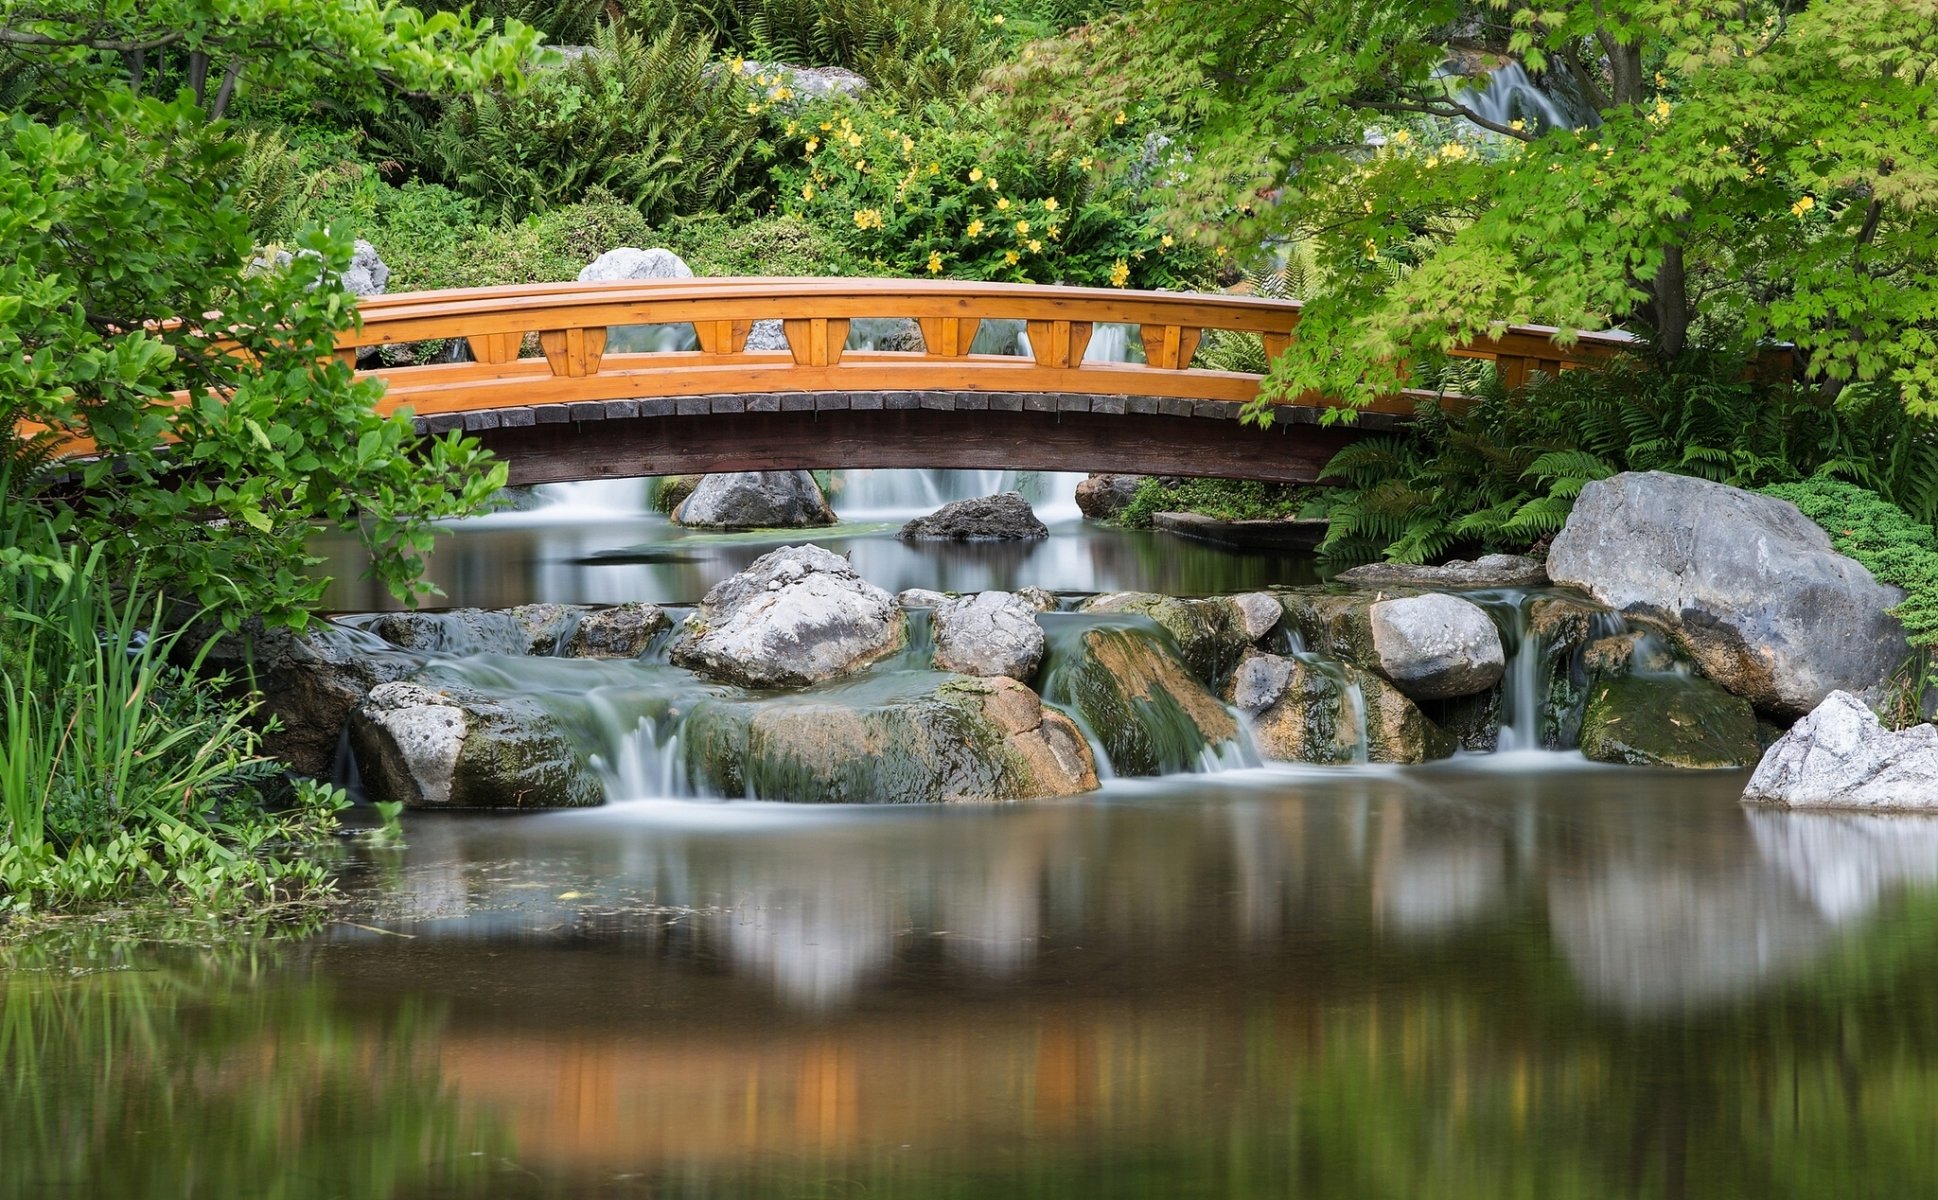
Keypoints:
pixel 120 772
pixel 647 118
pixel 1503 475
pixel 912 51
pixel 1892 545
pixel 940 192
pixel 1225 499
pixel 777 246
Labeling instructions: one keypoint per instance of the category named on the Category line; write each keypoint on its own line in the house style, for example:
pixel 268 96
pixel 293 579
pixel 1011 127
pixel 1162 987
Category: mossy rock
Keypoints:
pixel 669 490
pixel 1668 720
pixel 944 739
pixel 1473 721
pixel 1135 695
pixel 1210 633
pixel 1337 624
pixel 1329 713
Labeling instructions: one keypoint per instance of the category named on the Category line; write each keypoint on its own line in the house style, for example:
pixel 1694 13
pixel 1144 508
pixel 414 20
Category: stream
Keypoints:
pixel 1505 974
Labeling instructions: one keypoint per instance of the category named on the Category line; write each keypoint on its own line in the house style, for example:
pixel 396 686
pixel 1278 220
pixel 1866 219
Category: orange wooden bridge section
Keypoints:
pixel 546 395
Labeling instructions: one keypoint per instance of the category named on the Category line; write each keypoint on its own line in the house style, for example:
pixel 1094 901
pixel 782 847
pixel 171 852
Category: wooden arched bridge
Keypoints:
pixel 545 394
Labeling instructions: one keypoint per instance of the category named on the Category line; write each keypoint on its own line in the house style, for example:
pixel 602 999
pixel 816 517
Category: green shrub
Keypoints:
pixel 549 247
pixel 647 118
pixel 1225 499
pixel 912 51
pixel 777 246
pixel 941 192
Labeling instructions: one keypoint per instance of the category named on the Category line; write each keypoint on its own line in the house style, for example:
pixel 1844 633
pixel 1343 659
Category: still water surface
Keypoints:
pixel 1513 976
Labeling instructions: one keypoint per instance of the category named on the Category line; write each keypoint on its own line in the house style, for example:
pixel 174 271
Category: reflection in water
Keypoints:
pixel 1442 982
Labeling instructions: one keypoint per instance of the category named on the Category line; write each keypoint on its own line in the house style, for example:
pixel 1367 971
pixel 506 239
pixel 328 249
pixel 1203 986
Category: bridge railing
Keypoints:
pixel 544 344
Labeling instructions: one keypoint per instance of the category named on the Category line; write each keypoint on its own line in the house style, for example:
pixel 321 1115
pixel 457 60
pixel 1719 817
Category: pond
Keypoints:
pixel 1508 975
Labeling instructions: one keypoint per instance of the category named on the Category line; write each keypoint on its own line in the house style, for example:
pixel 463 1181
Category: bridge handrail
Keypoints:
pixel 571 321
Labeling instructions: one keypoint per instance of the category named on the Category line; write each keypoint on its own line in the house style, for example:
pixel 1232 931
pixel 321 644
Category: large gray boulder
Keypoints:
pixel 1005 516
pixel 630 262
pixel 1842 756
pixel 367 274
pixel 1149 714
pixel 755 500
pixel 1102 496
pixel 797 615
pixel 1749 586
pixel 990 633
pixel 526 629
pixel 309 682
pixel 622 631
pixel 802 83
pixel 1436 646
pixel 450 746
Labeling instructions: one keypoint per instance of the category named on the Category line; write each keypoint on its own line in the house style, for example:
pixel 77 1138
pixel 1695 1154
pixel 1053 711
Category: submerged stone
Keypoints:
pixel 954 740
pixel 451 746
pixel 1668 720
pixel 1137 698
pixel 755 500
pixel 623 631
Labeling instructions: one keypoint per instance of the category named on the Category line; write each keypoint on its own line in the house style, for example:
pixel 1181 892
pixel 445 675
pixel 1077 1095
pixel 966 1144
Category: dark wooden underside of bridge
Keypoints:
pixel 1144 435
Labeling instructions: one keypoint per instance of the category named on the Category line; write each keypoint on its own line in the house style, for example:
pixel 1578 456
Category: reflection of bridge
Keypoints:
pixel 547 397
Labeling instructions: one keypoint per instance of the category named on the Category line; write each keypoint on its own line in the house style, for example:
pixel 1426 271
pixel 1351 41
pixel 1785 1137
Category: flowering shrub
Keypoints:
pixel 940 193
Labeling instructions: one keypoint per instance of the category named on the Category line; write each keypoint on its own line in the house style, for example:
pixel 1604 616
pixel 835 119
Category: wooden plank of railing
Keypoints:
pixel 948 337
pixel 573 353
pixel 1059 343
pixel 496 347
pixel 723 337
pixel 1170 347
pixel 816 341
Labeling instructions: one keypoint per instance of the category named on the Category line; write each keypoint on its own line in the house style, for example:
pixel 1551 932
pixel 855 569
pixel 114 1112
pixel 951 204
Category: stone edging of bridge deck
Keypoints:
pixel 938 401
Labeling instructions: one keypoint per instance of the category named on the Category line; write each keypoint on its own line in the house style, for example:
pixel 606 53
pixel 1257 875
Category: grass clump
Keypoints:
pixel 1224 499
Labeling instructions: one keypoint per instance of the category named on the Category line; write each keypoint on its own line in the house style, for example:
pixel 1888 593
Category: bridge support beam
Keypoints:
pixel 1148 443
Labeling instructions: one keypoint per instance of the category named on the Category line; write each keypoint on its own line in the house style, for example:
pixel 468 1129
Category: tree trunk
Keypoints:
pixel 1669 303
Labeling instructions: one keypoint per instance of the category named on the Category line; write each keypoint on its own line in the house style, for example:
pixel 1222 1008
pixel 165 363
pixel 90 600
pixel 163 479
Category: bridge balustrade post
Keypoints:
pixel 496 348
pixel 723 337
pixel 1059 343
pixel 816 341
pixel 1171 347
pixel 949 337
pixel 573 353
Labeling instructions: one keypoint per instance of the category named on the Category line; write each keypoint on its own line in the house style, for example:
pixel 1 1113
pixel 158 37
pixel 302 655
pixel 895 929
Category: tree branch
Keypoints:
pixel 1586 81
pixel 10 36
pixel 1452 111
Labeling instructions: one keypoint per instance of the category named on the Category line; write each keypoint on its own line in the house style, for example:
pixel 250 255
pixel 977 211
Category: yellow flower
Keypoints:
pixel 1010 257
pixel 1166 241
pixel 935 262
pixel 935 168
pixel 854 139
pixel 1803 206
pixel 1002 202
pixel 1221 251
pixel 861 165
pixel 1118 120
pixel 791 127
pixel 1022 227
pixel 1517 124
pixel 1049 205
pixel 753 108
pixel 825 127
pixel 813 144
pixel 1661 108
pixel 807 191
pixel 975 174
pixel 1401 137
pixel 1455 151
pixel 1372 251
pixel 993 185
pixel 785 93
pixel 868 218
pixel 908 144
pixel 997 19
pixel 1055 231
pixel 1119 273
pixel 975 228
pixel 739 64
pixel 1085 162
pixel 763 80
pixel 1036 247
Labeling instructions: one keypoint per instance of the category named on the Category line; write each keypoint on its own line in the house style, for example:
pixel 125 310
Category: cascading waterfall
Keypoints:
pixel 1508 94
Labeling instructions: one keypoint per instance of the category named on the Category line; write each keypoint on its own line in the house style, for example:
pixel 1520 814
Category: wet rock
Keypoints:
pixel 1212 634
pixel 1668 720
pixel 1841 756
pixel 990 633
pixel 1005 516
pixel 921 598
pixel 527 629
pixel 963 740
pixel 623 631
pixel 1138 699
pixel 1103 496
pixel 1473 721
pixel 1258 613
pixel 1333 623
pixel 450 746
pixel 1304 712
pixel 1435 646
pixel 755 500
pixel 1559 630
pixel 1488 571
pixel 630 262
pixel 309 682
pixel 1040 599
pixel 670 490
pixel 1748 585
pixel 797 615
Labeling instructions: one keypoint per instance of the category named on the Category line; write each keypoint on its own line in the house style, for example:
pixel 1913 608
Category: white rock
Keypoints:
pixel 629 262
pixel 1258 613
pixel 991 633
pixel 797 615
pixel 1842 756
pixel 1436 645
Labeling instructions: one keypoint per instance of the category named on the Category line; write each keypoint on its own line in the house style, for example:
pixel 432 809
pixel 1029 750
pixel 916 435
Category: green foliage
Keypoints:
pixel 1762 169
pixel 125 218
pixel 1225 499
pixel 648 118
pixel 122 773
pixel 1893 545
pixel 912 51
pixel 944 192
pixel 1504 474
pixel 775 246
